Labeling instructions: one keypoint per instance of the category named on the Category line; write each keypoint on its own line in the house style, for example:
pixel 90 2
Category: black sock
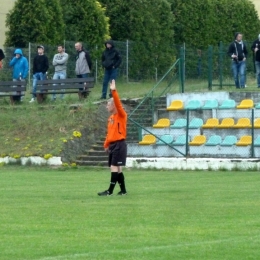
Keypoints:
pixel 114 178
pixel 121 181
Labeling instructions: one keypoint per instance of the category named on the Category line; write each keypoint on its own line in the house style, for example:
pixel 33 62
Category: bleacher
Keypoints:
pixel 202 125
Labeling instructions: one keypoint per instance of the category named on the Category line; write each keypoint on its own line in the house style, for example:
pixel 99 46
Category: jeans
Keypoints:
pixel 37 76
pixel 239 73
pixel 59 75
pixel 109 75
pixel 257 67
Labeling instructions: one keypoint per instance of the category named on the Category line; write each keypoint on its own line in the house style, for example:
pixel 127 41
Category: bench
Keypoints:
pixel 81 86
pixel 12 89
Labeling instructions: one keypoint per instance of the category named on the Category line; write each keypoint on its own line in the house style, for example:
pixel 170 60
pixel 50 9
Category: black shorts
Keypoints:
pixel 117 153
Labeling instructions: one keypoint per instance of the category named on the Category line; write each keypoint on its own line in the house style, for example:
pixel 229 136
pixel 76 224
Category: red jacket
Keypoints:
pixel 116 125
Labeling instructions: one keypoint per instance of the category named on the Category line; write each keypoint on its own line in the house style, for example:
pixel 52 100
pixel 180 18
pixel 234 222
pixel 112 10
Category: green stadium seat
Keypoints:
pixel 168 139
pixel 181 140
pixel 179 123
pixel 196 123
pixel 229 140
pixel 214 140
pixel 257 141
pixel 257 106
pixel 228 104
pixel 193 104
pixel 210 104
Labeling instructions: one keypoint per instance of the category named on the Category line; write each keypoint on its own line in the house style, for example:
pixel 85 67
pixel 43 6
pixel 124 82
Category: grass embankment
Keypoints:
pixel 50 214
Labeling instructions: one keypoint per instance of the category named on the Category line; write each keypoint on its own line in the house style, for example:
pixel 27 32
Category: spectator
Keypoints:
pixel 238 52
pixel 40 67
pixel 60 64
pixel 111 60
pixel 115 144
pixel 20 69
pixel 2 56
pixel 256 50
pixel 83 64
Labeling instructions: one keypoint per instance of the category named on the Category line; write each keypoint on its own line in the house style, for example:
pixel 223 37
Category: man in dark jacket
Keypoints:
pixel 256 50
pixel 111 60
pixel 40 67
pixel 238 52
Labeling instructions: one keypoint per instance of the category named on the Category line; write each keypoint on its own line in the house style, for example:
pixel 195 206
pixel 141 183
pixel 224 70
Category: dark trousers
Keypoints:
pixel 110 74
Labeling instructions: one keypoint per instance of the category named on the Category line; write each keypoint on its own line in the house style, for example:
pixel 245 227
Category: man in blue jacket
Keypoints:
pixel 20 69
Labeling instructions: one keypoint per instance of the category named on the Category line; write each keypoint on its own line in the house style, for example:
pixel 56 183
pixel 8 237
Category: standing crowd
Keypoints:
pixel 110 59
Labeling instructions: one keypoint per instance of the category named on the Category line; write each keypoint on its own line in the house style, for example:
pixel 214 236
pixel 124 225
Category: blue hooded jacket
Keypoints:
pixel 20 65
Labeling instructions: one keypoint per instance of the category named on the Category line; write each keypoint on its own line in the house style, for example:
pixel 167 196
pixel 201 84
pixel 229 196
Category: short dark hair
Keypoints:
pixel 60 45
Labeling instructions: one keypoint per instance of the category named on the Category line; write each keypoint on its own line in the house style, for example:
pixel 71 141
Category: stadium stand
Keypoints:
pixel 196 123
pixel 193 104
pixel 211 123
pixel 179 123
pixel 175 105
pixel 229 140
pixel 228 104
pixel 163 122
pixel 243 123
pixel 244 140
pixel 210 104
pixel 168 139
pixel 198 140
pixel 245 104
pixel 214 140
pixel 226 123
pixel 148 139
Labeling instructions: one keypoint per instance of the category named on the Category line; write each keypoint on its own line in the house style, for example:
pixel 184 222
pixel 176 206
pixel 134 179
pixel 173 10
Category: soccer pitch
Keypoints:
pixel 49 214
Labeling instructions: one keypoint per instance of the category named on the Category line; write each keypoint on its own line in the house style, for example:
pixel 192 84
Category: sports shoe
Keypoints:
pixel 32 100
pixel 105 193
pixel 122 193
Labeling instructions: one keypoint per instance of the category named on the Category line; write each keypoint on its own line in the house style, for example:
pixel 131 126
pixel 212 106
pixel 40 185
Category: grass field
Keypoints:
pixel 49 214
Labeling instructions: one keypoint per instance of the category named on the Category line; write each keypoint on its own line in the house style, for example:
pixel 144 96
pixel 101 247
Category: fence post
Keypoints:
pixel 181 70
pixel 29 66
pixel 220 65
pixel 187 133
pixel 210 67
pixel 96 69
pixel 127 60
pixel 253 133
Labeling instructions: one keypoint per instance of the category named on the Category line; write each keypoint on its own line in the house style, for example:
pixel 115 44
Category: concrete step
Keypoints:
pixel 94 158
pixel 96 153
pixel 96 147
pixel 92 163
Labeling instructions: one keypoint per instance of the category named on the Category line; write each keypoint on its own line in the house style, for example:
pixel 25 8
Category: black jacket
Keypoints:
pixel 256 44
pixel 238 49
pixel 2 55
pixel 40 64
pixel 111 57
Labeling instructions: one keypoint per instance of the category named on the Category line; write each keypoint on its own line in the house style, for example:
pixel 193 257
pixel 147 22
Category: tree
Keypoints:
pixel 85 21
pixel 34 21
pixel 202 23
pixel 149 24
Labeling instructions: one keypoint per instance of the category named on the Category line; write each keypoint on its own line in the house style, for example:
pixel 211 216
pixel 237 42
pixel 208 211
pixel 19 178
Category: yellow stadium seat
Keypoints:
pixel 242 123
pixel 211 123
pixel 257 123
pixel 163 122
pixel 226 123
pixel 244 140
pixel 148 139
pixel 198 140
pixel 175 105
pixel 246 103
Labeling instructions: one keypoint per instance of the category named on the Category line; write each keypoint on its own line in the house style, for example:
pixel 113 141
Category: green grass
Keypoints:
pixel 49 214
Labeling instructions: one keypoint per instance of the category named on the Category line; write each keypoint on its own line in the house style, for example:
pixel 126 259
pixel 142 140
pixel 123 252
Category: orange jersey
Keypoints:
pixel 116 125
